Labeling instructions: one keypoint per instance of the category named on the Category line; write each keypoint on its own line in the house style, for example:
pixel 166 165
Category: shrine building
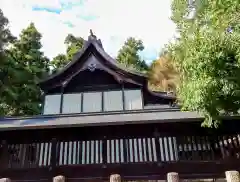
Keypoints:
pixel 99 118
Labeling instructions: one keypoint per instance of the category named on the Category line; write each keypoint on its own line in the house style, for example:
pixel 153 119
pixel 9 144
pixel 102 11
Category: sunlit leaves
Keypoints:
pixel 162 75
pixel 73 45
pixel 207 57
pixel 128 55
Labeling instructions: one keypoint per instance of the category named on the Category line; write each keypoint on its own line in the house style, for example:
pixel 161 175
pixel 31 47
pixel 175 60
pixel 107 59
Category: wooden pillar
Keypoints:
pixel 172 177
pixel 157 144
pixel 232 176
pixel 4 156
pixel 53 154
pixel 115 178
pixel 104 151
pixel 59 179
pixel 61 101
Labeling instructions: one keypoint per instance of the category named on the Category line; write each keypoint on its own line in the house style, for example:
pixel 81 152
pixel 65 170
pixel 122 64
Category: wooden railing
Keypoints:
pixel 119 150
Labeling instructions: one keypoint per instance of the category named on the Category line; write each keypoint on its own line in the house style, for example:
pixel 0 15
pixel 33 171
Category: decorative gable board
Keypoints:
pixel 71 103
pixel 113 101
pixel 92 74
pixel 133 99
pixel 87 81
pixel 92 63
pixel 52 104
pixel 92 102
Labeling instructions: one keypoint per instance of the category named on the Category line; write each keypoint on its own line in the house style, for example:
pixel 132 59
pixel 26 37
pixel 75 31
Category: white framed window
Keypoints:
pixel 52 104
pixel 72 103
pixel 113 101
pixel 133 99
pixel 92 102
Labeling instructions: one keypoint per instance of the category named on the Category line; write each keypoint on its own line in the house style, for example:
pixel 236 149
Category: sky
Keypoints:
pixel 113 21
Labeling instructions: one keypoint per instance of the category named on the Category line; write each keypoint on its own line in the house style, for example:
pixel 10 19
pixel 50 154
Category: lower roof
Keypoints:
pixel 99 119
pixel 102 119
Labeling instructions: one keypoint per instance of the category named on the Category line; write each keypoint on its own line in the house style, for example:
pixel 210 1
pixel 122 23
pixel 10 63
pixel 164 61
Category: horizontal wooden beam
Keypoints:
pixel 150 171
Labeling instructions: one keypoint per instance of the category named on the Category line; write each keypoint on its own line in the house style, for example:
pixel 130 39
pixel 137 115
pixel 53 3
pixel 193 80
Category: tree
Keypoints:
pixel 74 44
pixel 59 62
pixel 207 56
pixel 7 66
pixel 32 66
pixel 128 54
pixel 5 35
pixel 162 75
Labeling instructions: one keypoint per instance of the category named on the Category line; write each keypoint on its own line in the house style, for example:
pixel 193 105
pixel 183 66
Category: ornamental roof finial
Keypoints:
pixel 94 38
pixel 91 34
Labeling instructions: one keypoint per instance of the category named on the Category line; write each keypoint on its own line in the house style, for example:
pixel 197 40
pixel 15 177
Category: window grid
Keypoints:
pixel 105 101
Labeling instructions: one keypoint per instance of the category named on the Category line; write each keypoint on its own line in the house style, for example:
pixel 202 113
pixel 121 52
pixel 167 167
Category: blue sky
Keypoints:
pixel 111 20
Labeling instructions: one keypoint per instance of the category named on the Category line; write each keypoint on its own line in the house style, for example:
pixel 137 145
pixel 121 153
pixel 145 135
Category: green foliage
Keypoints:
pixel 28 66
pixel 74 44
pixel 128 54
pixel 207 55
pixel 59 62
pixel 5 35
pixel 6 66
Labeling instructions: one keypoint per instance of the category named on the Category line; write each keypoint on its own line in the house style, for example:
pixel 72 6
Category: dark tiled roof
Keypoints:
pixel 99 48
pixel 98 119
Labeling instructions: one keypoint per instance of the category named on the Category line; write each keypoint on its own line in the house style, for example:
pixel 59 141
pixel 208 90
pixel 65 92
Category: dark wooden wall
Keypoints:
pixel 144 151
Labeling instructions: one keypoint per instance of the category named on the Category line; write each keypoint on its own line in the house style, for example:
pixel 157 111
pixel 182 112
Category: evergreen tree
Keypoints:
pixel 128 54
pixel 73 44
pixel 58 62
pixel 32 66
pixel 7 66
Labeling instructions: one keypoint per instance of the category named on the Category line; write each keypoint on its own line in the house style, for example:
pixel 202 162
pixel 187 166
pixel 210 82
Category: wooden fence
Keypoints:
pixel 145 152
pixel 117 151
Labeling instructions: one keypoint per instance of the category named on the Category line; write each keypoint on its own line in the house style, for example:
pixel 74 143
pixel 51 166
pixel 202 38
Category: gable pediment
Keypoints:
pixel 91 58
pixel 95 69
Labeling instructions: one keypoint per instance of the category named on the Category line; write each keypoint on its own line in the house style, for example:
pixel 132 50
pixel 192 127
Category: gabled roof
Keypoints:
pixel 94 46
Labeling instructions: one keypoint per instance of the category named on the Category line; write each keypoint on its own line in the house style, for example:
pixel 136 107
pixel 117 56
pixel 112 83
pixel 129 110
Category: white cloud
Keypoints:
pixel 116 20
